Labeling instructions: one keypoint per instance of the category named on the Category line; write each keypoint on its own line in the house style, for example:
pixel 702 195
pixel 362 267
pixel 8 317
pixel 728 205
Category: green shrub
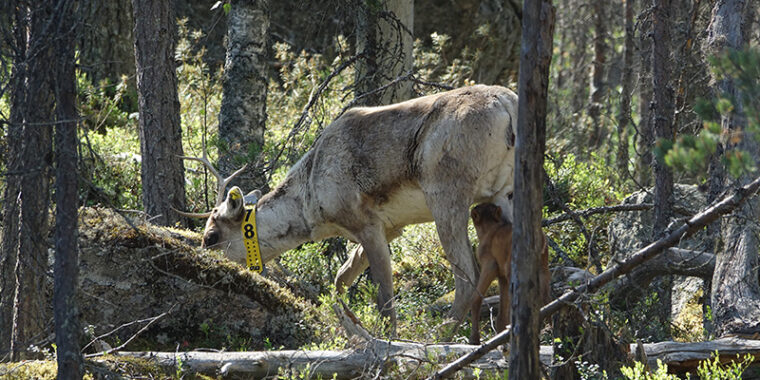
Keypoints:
pixel 713 369
pixel 691 153
pixel 639 372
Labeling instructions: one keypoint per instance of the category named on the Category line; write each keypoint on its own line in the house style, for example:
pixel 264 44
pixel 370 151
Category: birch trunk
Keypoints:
pixel 243 114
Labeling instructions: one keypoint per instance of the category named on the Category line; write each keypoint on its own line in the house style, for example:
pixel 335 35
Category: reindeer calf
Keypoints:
pixel 495 256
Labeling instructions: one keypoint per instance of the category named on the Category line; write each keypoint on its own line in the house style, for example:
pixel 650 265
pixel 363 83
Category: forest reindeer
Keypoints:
pixel 495 257
pixel 375 170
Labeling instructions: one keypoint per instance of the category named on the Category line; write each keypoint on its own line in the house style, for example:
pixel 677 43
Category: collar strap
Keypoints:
pixel 251 241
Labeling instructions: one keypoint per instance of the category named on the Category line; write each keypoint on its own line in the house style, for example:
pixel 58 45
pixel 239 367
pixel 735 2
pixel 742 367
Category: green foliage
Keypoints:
pixel 691 153
pixel 312 266
pixel 688 326
pixel 300 75
pixel 215 335
pixel 112 167
pixel 434 66
pixel 640 372
pixel 111 160
pixel 709 369
pixel 105 104
pixel 713 369
pixel 580 185
pixel 199 90
pixel 589 371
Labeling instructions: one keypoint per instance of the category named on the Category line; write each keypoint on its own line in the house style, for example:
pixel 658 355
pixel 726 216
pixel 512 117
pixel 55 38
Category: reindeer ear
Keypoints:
pixel 252 197
pixel 474 215
pixel 234 204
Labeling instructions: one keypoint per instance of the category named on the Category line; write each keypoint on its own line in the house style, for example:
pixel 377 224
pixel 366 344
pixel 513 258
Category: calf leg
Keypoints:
pixel 504 304
pixel 488 272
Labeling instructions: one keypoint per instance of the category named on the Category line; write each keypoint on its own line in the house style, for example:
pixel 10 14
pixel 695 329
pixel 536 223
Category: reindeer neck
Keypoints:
pixel 280 222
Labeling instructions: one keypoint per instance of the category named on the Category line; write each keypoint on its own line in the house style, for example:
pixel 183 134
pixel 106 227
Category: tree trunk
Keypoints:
pixel 735 287
pixel 662 123
pixel 242 117
pixel 535 59
pixel 578 56
pixel 663 111
pixel 384 37
pixel 16 16
pixel 31 305
pixel 162 172
pixel 105 40
pixel 624 117
pixel 645 138
pixel 66 272
pixel 598 86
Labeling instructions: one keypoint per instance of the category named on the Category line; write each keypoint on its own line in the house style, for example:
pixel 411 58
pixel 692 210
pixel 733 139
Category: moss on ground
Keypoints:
pixel 132 270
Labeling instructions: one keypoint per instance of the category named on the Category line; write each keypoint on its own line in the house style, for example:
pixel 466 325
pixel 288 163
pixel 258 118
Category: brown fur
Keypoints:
pixel 495 256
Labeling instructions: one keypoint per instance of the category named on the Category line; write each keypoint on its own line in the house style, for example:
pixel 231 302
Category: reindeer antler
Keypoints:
pixel 221 182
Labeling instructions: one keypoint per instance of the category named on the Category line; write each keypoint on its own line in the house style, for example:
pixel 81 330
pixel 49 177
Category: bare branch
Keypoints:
pixel 597 210
pixel 305 112
pixel 151 321
pixel 674 261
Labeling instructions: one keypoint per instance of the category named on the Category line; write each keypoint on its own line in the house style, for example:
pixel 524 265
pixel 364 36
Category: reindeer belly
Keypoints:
pixel 404 206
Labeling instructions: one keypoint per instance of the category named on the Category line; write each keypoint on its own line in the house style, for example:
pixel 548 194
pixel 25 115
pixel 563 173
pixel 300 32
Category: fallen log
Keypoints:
pixel 385 355
pixel 363 362
pixel 685 357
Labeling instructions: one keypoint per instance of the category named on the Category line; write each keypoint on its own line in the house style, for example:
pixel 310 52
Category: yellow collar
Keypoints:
pixel 251 241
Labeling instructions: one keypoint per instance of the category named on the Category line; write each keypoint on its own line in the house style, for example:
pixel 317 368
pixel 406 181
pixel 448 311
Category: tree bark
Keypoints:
pixel 162 172
pixel 31 304
pixel 66 270
pixel 735 287
pixel 105 40
pixel 384 38
pixel 662 123
pixel 535 59
pixel 16 16
pixel 624 118
pixel 578 56
pixel 243 115
pixel 598 81
pixel 645 137
pixel 663 111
